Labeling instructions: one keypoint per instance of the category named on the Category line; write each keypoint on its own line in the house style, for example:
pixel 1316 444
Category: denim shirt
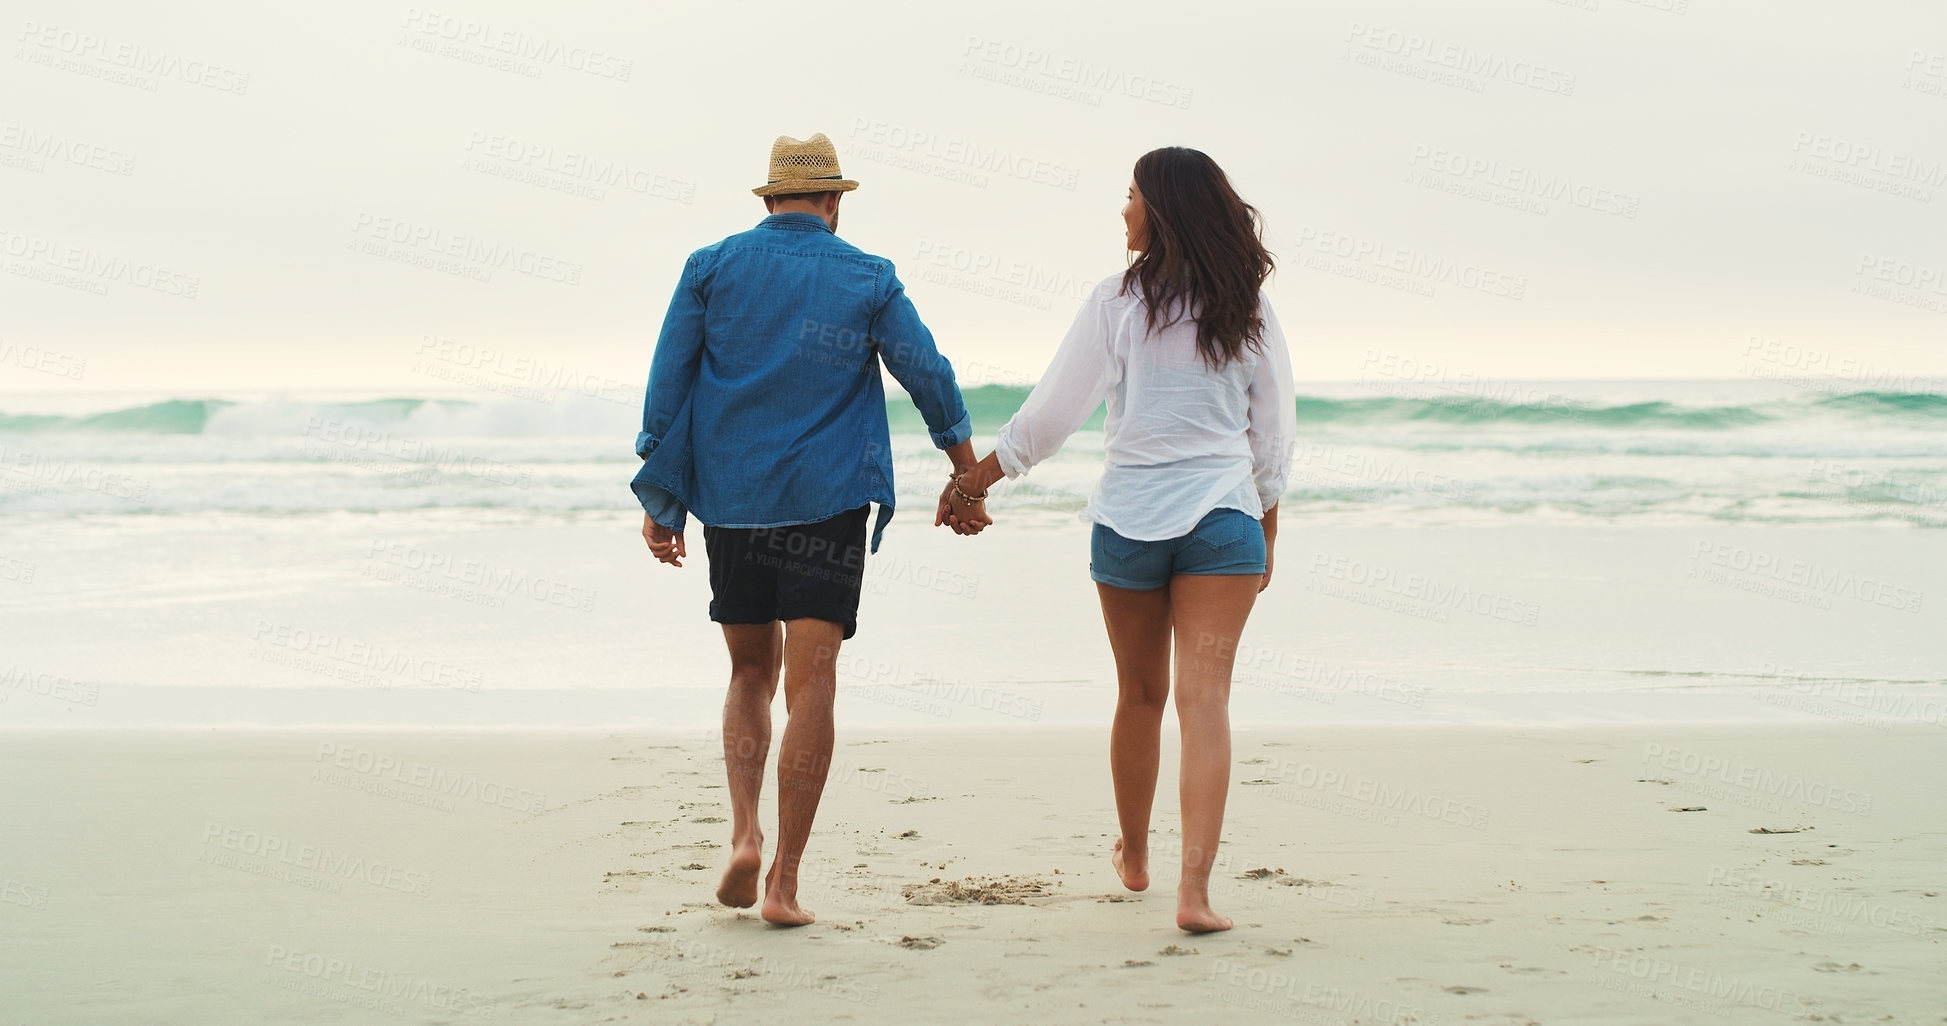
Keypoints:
pixel 765 406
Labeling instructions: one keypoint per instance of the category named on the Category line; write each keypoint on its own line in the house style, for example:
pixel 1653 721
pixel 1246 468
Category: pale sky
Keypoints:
pixel 1504 188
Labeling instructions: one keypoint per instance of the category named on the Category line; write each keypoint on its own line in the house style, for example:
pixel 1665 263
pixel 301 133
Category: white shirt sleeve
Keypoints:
pixel 1083 372
pixel 1274 412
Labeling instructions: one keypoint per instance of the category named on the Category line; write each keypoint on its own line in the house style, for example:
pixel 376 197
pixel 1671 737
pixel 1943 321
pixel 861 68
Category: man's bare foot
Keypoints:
pixel 782 911
pixel 1194 915
pixel 1135 878
pixel 739 886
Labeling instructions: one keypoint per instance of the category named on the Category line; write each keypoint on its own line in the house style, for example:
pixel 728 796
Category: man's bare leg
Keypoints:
pixel 810 684
pixel 1139 634
pixel 756 656
pixel 1210 612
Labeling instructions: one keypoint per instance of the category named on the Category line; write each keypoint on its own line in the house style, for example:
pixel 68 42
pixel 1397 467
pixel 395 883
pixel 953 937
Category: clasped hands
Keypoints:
pixel 963 503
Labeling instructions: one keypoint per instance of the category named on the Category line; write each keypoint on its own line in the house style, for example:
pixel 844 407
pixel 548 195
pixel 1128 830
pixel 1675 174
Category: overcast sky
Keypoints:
pixel 206 196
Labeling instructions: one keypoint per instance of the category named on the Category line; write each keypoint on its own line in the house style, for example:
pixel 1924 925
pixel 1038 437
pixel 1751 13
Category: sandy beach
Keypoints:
pixel 1378 875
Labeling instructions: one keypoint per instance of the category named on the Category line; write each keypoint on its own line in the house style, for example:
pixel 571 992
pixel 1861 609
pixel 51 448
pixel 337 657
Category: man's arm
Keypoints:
pixel 672 374
pixel 909 353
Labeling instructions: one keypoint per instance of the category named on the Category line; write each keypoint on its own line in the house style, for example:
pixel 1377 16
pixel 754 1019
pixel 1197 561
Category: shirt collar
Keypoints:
pixel 796 222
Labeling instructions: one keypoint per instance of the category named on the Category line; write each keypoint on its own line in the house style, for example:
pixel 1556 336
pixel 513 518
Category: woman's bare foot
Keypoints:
pixel 1133 871
pixel 1194 914
pixel 739 886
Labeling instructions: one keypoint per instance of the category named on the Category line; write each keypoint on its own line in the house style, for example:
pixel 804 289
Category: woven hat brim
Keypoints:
pixel 805 185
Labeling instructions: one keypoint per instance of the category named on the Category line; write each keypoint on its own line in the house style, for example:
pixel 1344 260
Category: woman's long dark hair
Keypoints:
pixel 1205 253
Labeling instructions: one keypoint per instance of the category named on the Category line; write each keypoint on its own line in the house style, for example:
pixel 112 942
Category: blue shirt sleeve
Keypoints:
pixel 907 348
pixel 672 374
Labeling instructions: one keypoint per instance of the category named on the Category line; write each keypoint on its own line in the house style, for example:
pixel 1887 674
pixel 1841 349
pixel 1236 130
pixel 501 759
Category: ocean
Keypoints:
pixel 1515 552
pixel 1385 452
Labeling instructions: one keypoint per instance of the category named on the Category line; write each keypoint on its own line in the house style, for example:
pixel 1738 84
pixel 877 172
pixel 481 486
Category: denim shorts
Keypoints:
pixel 1225 541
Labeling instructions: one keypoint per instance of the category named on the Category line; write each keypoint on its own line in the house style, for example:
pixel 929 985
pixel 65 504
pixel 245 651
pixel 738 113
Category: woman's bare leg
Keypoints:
pixel 1209 613
pixel 1139 634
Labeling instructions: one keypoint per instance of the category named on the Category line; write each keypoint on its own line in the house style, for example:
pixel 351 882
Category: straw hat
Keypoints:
pixel 804 165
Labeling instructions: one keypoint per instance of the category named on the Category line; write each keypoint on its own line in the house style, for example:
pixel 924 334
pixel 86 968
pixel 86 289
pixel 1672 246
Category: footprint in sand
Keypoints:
pixel 707 819
pixel 1464 921
pixel 975 890
pixel 920 943
pixel 1458 989
pixel 1130 963
pixel 1834 967
pixel 1175 950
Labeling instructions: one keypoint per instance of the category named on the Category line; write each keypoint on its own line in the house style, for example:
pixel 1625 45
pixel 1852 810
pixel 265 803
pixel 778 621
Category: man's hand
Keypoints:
pixel 666 545
pixel 963 516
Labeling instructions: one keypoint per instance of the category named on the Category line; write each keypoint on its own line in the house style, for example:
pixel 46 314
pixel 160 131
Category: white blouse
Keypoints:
pixel 1182 439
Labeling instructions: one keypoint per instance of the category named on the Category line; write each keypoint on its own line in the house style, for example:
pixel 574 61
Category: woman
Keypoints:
pixel 1201 417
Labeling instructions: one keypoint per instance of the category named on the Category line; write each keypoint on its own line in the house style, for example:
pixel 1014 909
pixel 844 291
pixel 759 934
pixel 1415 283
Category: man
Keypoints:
pixel 766 417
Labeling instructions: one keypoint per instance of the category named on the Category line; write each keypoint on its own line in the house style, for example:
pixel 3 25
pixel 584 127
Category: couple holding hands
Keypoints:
pixel 763 419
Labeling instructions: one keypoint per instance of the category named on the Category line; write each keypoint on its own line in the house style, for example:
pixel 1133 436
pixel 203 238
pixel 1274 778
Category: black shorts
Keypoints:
pixel 764 574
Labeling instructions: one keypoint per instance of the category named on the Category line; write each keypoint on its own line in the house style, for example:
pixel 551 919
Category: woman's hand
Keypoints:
pixel 1270 524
